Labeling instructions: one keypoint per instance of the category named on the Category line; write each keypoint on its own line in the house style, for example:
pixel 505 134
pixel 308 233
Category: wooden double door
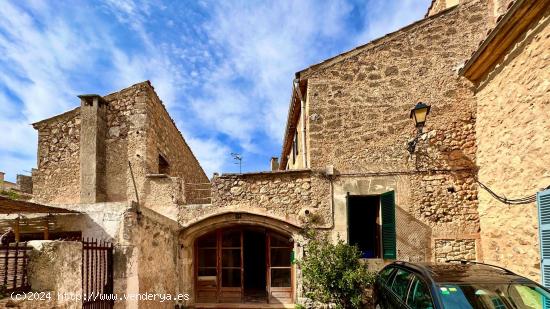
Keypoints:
pixel 244 265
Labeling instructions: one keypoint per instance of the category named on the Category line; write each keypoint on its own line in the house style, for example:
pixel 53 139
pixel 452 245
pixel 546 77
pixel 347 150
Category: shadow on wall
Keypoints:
pixel 89 226
pixel 413 237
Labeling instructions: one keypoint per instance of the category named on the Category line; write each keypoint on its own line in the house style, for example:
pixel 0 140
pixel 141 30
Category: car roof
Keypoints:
pixel 464 272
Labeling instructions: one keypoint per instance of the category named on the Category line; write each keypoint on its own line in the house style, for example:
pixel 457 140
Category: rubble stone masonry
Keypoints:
pixel 138 130
pixel 291 196
pixel 513 134
pixel 358 107
pixel 57 179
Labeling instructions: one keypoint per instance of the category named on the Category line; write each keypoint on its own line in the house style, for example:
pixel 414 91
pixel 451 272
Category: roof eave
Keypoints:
pixel 509 27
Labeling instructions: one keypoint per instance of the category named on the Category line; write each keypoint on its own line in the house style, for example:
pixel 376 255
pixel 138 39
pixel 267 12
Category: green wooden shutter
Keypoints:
pixel 347 216
pixel 543 202
pixel 387 201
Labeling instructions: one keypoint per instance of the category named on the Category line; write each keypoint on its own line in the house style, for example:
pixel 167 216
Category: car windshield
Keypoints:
pixel 494 296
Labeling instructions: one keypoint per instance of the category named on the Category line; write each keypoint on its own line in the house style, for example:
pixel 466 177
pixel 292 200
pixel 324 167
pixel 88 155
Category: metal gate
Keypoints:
pixel 97 274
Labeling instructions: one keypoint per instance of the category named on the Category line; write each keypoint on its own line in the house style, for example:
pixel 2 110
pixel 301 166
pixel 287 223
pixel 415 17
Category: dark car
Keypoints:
pixel 456 285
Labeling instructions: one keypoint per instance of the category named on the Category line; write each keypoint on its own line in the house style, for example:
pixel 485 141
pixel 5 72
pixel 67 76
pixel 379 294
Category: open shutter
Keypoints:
pixel 543 202
pixel 387 201
pixel 347 216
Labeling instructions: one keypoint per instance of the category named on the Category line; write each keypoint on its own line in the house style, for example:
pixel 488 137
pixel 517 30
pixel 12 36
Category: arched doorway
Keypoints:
pixel 244 264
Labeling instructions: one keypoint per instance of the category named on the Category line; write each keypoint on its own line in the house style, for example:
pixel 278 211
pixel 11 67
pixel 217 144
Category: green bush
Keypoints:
pixel 333 273
pixel 10 194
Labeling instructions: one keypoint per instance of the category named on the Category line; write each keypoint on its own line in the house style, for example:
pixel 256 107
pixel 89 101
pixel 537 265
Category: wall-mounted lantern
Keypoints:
pixel 419 113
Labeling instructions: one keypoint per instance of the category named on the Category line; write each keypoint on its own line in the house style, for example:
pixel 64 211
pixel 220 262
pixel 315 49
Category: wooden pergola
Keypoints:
pixel 19 207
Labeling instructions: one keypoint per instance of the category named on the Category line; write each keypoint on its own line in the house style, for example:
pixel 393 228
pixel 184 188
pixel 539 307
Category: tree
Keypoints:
pixel 333 272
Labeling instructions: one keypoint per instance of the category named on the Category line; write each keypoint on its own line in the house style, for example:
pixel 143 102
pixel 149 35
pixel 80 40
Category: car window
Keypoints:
pixel 385 274
pixel 419 295
pixel 493 296
pixel 401 283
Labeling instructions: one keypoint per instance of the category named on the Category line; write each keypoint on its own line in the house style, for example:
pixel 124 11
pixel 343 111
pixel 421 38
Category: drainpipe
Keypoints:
pixel 303 116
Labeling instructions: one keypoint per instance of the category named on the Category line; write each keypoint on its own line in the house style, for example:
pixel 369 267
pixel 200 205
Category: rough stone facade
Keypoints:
pixel 357 109
pixel 293 196
pixel 57 177
pixel 139 129
pixel 513 134
pixel 495 8
pixel 357 128
pixel 450 249
pixel 24 183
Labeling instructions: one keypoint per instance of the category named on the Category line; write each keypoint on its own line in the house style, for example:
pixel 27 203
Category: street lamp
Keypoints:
pixel 419 113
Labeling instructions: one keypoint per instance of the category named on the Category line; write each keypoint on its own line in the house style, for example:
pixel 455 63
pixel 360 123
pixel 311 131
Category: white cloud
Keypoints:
pixel 263 45
pixel 383 17
pixel 231 75
pixel 212 154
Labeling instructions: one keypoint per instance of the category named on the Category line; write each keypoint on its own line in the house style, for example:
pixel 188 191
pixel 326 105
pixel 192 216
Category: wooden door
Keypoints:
pixel 206 261
pixel 231 266
pixel 280 273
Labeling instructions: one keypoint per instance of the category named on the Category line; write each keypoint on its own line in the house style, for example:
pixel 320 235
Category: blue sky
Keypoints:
pixel 223 68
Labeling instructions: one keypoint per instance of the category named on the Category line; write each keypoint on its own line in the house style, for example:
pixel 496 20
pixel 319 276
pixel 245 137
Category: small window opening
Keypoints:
pixel 164 166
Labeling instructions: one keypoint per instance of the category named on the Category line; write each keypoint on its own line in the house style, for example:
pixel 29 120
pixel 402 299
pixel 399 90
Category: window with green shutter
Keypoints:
pixel 543 202
pixel 387 202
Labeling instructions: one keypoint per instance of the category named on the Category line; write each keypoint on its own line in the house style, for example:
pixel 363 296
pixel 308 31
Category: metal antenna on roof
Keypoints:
pixel 238 157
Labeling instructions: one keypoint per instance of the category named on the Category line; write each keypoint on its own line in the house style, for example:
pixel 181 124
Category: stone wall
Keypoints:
pixel 359 102
pixel 513 134
pixel 291 196
pixel 157 245
pixel 126 121
pixel 358 121
pixel 138 130
pixel 164 138
pixel 24 183
pixel 454 249
pixel 56 267
pixel 57 178
pixel 427 206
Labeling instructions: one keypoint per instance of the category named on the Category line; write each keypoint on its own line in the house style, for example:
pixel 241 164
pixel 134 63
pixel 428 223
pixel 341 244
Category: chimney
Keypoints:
pixel 274 163
pixel 93 132
pixel 24 183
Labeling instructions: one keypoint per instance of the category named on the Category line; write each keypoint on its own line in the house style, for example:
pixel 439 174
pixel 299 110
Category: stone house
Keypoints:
pixel 511 82
pixel 345 167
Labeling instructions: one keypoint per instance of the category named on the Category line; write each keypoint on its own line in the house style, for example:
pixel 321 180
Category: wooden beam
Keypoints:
pixel 16 229
pixel 47 228
pixel 498 42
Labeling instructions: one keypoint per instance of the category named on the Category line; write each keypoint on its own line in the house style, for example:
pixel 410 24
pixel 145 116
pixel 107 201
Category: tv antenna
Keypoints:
pixel 238 160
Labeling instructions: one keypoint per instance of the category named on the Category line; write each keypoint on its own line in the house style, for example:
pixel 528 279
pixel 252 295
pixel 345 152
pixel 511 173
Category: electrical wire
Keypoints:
pixel 515 201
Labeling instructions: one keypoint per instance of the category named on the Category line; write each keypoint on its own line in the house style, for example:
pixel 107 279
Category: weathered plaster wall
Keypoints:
pixel 156 239
pixel 430 210
pixel 282 195
pixel 513 134
pixel 297 162
pixel 56 267
pixel 57 178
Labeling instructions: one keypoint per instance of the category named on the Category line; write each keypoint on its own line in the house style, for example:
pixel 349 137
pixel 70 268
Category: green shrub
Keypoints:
pixel 333 273
pixel 10 194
